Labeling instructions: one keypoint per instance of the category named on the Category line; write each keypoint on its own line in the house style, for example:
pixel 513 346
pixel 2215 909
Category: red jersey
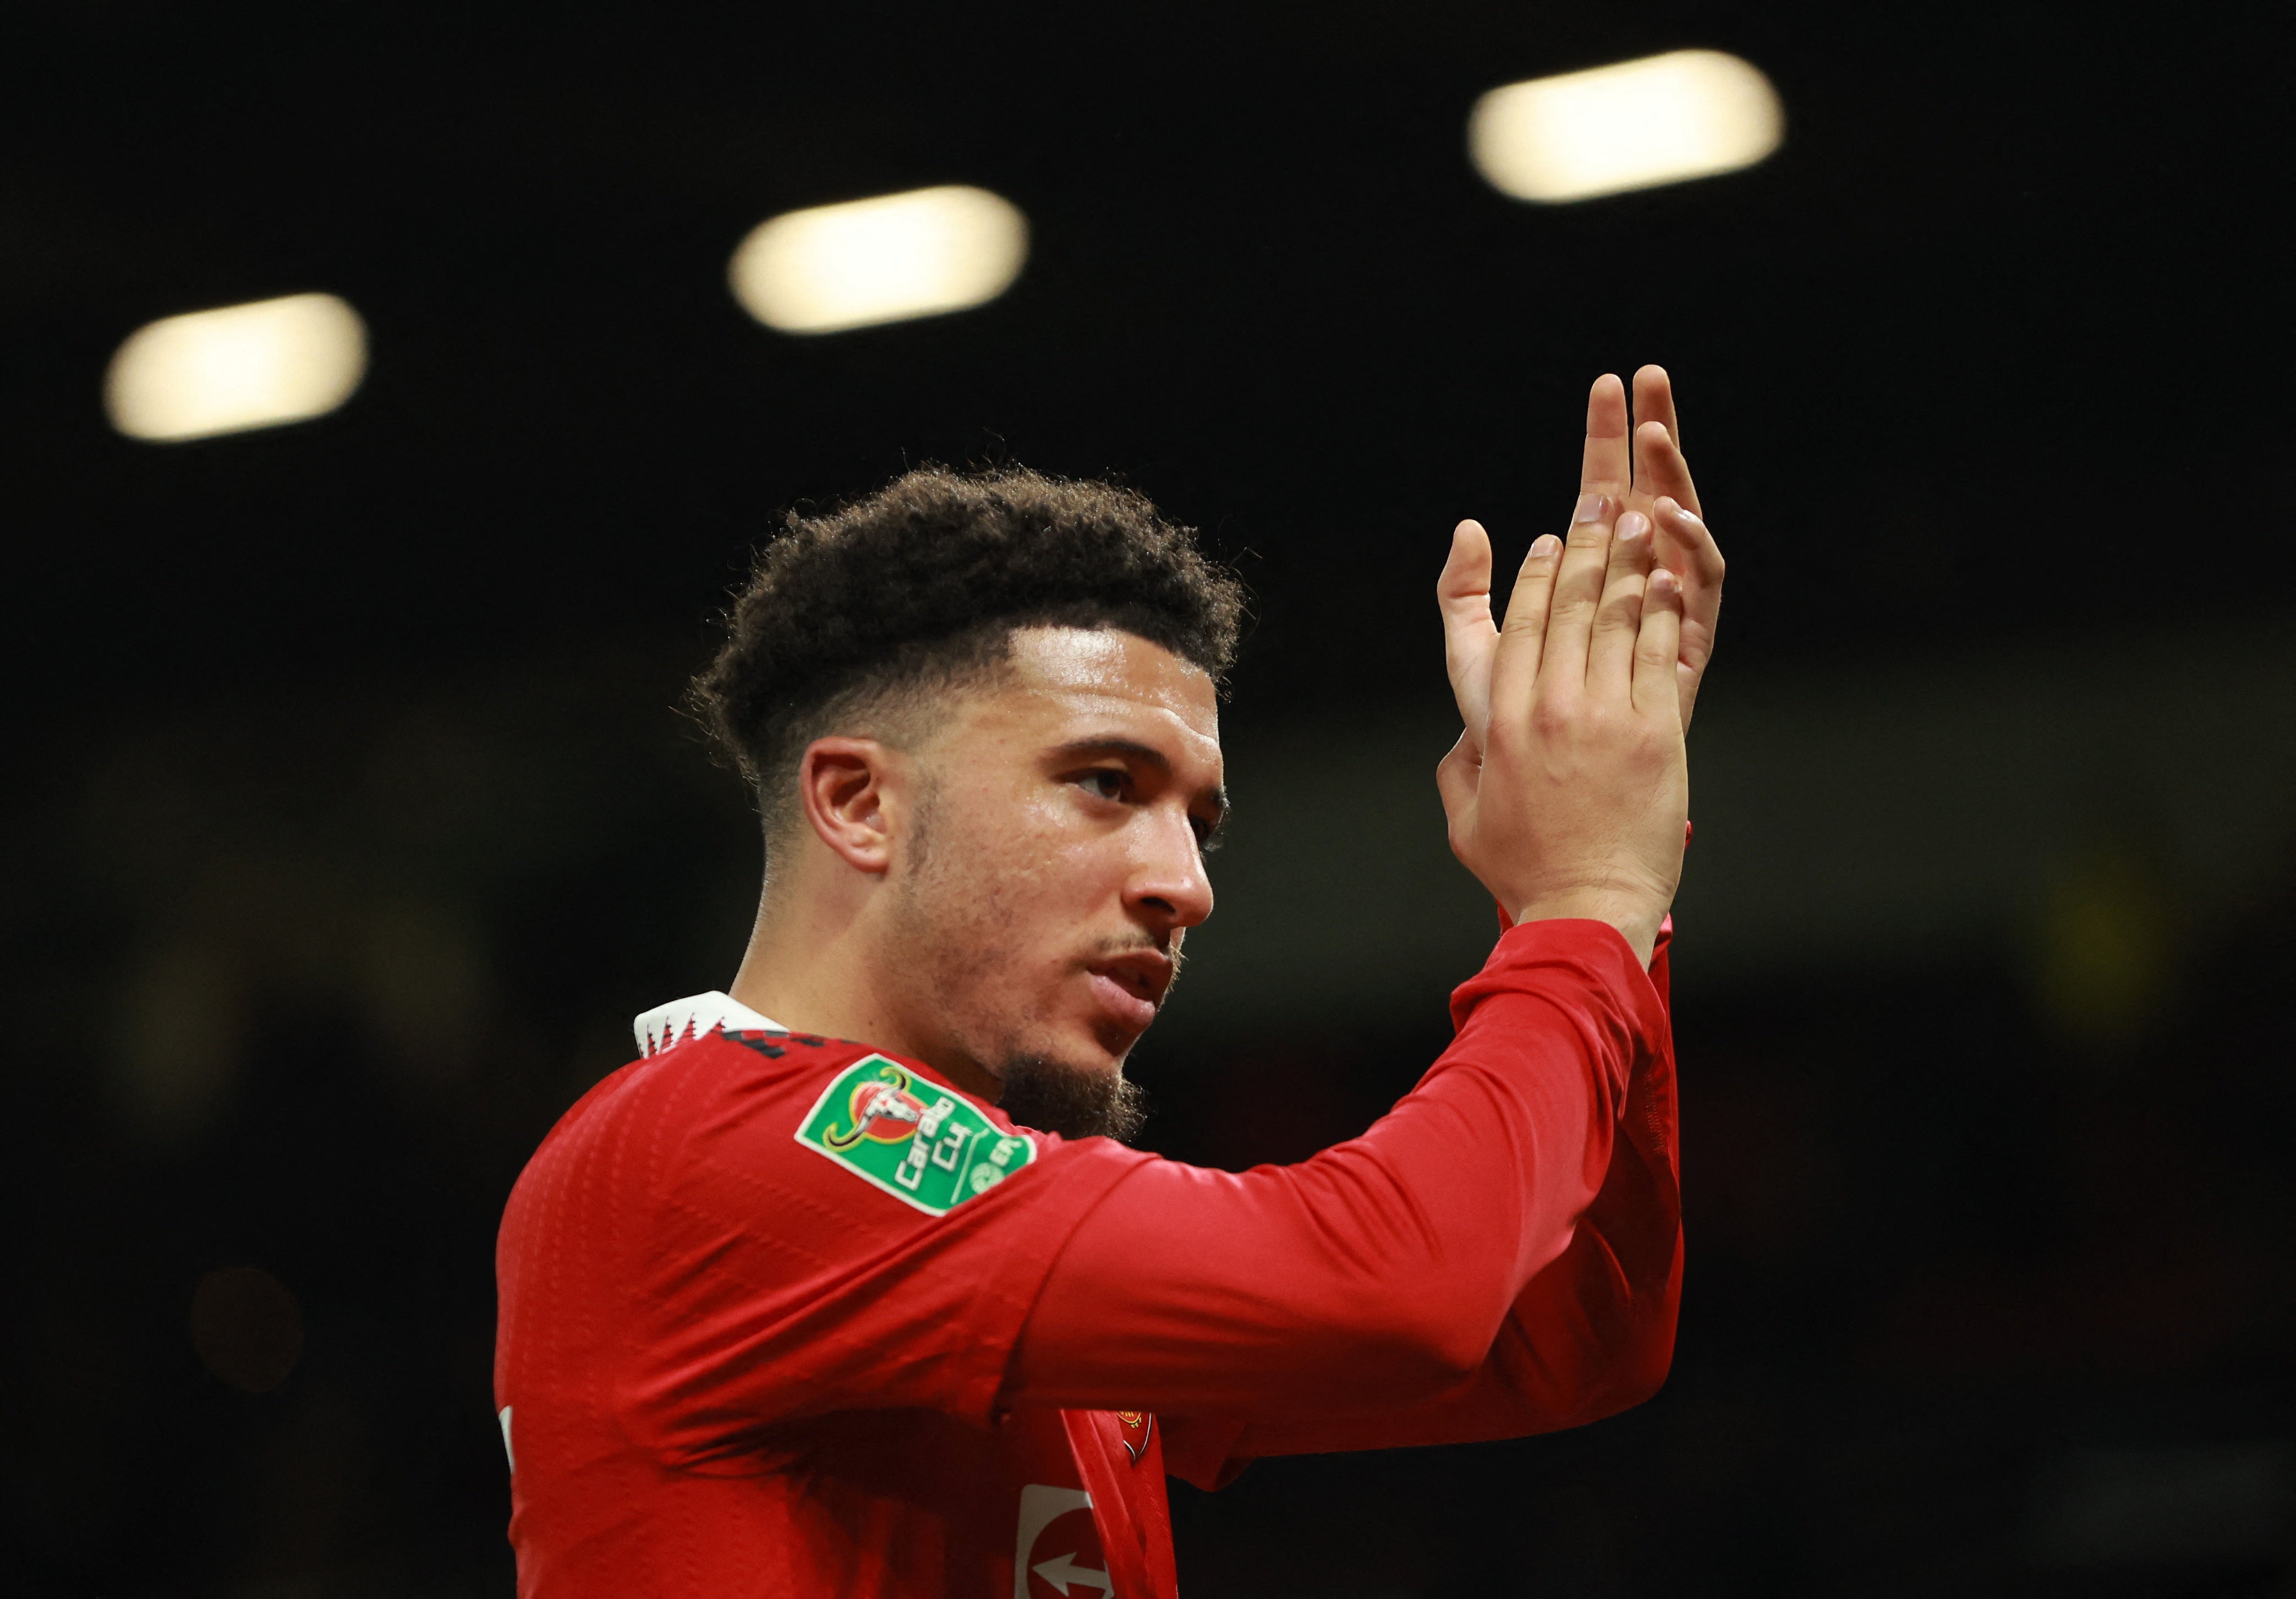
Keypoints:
pixel 782 1315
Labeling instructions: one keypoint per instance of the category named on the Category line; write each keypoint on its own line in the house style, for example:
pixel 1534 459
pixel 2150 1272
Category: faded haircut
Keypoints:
pixel 853 620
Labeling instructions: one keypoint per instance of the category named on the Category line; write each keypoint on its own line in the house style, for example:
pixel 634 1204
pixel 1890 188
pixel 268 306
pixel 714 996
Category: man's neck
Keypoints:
pixel 816 976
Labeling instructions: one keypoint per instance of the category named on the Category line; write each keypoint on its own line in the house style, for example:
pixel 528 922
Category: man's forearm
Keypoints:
pixel 1378 1274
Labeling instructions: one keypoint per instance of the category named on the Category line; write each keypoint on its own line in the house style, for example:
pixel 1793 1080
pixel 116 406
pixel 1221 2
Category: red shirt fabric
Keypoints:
pixel 735 1357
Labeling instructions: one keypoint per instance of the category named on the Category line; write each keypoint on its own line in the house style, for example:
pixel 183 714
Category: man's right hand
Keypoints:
pixel 1568 791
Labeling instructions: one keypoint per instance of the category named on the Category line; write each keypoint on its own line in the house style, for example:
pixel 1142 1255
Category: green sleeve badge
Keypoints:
pixel 917 1141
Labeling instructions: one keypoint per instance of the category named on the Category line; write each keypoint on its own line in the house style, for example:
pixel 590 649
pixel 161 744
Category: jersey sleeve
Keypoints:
pixel 1590 1335
pixel 1498 1255
pixel 776 1278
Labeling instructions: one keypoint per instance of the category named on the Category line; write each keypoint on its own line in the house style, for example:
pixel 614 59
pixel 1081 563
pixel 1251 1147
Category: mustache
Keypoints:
pixel 1145 944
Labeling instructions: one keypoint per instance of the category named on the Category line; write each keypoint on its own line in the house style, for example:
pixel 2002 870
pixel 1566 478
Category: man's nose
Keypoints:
pixel 1169 882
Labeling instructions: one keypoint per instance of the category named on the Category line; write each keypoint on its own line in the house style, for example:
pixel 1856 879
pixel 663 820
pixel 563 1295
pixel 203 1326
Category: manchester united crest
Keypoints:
pixel 1138 1426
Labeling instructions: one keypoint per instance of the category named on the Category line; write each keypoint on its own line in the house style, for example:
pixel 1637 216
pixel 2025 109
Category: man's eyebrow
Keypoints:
pixel 1148 755
pixel 1084 748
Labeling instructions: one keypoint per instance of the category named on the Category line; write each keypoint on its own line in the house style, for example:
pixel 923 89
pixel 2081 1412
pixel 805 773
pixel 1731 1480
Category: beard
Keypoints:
pixel 949 939
pixel 1055 1097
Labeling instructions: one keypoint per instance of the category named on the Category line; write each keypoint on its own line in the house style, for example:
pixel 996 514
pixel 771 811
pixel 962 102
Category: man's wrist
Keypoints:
pixel 1636 922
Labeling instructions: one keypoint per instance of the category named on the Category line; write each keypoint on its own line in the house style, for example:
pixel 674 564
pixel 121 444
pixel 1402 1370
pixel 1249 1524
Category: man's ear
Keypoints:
pixel 854 792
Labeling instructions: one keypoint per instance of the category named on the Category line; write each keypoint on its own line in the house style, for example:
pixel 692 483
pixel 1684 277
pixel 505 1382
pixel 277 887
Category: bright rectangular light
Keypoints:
pixel 225 371
pixel 887 260
pixel 1688 114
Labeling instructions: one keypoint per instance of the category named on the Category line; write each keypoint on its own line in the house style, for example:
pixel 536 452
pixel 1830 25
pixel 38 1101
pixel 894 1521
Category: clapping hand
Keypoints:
pixel 1567 790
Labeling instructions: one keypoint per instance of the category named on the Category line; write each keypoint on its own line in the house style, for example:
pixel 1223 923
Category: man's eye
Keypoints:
pixel 1108 785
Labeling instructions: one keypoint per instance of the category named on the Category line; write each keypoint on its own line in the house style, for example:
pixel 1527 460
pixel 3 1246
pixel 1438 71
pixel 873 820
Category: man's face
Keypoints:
pixel 1056 859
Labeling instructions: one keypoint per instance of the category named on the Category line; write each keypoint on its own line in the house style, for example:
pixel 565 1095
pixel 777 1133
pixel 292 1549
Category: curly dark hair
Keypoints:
pixel 850 617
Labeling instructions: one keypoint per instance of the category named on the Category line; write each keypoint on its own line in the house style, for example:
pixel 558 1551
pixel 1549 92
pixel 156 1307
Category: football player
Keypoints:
pixel 850 1284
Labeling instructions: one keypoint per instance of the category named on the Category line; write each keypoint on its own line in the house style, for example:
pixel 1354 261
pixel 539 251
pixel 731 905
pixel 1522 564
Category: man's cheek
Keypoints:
pixel 1080 869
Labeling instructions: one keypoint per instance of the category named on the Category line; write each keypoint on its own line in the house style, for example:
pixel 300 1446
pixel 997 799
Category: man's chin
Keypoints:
pixel 1073 1100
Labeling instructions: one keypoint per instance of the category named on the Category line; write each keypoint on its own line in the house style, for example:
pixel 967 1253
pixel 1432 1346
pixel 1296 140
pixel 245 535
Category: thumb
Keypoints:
pixel 1459 778
pixel 1470 637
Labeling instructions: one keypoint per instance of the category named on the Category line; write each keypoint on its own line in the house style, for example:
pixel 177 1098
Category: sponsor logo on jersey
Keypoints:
pixel 1056 1523
pixel 924 1145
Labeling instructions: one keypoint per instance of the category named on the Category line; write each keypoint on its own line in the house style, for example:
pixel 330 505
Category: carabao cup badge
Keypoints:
pixel 919 1142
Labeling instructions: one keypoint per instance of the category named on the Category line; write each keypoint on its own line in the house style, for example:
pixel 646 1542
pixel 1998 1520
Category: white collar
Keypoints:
pixel 665 1026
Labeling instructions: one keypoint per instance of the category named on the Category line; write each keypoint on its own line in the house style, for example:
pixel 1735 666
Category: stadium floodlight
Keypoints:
pixel 887 260
pixel 1690 113
pixel 236 367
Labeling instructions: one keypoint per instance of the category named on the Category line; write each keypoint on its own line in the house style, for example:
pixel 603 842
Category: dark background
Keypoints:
pixel 348 819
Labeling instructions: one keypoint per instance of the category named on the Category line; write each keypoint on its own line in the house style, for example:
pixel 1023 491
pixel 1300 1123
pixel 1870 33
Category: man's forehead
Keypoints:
pixel 1104 670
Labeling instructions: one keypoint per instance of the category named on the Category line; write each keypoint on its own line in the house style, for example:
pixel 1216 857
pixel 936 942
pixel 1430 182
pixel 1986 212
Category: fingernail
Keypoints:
pixel 1590 508
pixel 1633 524
pixel 1543 545
pixel 1683 514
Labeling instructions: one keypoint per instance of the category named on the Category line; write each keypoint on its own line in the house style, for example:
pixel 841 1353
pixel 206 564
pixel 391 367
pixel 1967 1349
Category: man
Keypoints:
pixel 850 1286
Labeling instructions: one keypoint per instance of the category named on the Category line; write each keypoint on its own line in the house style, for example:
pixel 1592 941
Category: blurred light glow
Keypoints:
pixel 225 371
pixel 886 259
pixel 1691 113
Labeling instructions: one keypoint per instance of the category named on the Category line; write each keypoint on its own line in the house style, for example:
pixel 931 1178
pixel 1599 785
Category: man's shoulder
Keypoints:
pixel 722 1079
pixel 894 1125
pixel 827 1119
pixel 708 1087
pixel 867 1116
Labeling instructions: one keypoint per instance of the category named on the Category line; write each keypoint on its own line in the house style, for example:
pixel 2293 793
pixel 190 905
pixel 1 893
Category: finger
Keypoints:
pixel 1617 619
pixel 1681 531
pixel 1659 466
pixel 1464 594
pixel 1515 664
pixel 1607 466
pixel 1573 591
pixel 1654 401
pixel 1687 549
pixel 1657 644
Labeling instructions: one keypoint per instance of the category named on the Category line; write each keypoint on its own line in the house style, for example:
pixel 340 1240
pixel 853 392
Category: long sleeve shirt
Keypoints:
pixel 786 1315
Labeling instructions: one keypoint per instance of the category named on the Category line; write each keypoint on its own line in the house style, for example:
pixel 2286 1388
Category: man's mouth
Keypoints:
pixel 1132 985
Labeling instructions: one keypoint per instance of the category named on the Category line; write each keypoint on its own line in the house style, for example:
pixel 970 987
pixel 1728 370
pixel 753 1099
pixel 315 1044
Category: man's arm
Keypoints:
pixel 1376 1277
pixel 1478 1264
pixel 1589 1336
